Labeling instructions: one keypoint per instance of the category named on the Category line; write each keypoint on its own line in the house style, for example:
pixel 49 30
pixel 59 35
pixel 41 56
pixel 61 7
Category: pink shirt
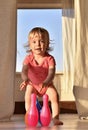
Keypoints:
pixel 37 73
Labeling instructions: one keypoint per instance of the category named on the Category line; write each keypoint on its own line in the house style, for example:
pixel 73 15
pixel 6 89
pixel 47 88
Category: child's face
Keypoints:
pixel 38 44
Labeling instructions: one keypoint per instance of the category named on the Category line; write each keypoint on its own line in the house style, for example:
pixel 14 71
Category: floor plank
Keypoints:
pixel 71 122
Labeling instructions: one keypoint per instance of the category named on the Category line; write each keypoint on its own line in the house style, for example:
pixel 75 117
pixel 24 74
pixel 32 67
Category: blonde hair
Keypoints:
pixel 42 33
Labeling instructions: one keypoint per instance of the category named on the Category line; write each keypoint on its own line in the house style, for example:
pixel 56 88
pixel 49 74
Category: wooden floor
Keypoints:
pixel 71 122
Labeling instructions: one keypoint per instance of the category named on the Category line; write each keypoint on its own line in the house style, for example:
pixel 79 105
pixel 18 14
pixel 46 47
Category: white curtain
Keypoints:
pixel 7 56
pixel 68 36
pixel 81 57
pixel 75 48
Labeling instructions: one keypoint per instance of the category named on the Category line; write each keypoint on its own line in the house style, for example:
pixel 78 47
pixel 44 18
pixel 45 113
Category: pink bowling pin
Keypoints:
pixel 45 114
pixel 31 117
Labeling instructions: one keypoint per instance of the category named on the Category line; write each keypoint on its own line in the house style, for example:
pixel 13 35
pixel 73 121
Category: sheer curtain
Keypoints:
pixel 7 56
pixel 75 48
pixel 68 36
pixel 81 57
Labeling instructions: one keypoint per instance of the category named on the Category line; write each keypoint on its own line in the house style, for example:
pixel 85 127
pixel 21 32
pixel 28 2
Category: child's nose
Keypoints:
pixel 38 43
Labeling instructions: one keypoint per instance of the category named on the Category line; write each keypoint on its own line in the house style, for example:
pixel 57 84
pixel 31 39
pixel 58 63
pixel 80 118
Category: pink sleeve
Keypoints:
pixel 51 61
pixel 26 60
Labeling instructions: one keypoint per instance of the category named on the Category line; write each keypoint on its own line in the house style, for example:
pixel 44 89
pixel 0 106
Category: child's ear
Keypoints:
pixel 29 45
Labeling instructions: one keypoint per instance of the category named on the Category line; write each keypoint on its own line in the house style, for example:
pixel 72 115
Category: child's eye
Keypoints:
pixel 34 41
pixel 42 41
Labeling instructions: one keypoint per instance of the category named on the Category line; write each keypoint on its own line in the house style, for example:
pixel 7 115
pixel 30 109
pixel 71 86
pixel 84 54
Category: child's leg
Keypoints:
pixel 54 99
pixel 28 92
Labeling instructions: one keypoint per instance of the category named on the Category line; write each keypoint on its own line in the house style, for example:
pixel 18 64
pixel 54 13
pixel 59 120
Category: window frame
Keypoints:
pixel 38 4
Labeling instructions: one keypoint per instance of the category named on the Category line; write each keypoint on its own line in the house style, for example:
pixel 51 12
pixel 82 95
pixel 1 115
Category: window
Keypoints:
pixel 47 18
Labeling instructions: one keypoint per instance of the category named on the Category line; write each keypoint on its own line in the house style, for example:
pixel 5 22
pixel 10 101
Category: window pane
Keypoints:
pixel 50 19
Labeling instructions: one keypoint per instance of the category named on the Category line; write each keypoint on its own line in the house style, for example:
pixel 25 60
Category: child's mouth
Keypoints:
pixel 39 49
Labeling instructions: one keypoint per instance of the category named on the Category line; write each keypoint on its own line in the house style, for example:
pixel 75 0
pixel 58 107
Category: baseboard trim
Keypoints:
pixel 68 107
pixel 65 107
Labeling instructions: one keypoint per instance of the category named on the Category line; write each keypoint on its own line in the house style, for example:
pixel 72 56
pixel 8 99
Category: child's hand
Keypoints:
pixel 41 86
pixel 23 85
pixel 42 89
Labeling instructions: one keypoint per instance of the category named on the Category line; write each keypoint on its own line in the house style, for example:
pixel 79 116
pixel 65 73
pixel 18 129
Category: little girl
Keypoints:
pixel 38 71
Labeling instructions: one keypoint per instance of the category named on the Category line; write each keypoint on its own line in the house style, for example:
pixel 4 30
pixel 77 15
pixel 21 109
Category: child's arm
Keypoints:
pixel 48 79
pixel 50 76
pixel 24 76
pixel 24 73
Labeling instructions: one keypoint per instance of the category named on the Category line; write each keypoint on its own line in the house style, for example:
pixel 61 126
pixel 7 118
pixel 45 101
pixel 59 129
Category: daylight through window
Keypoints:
pixel 51 19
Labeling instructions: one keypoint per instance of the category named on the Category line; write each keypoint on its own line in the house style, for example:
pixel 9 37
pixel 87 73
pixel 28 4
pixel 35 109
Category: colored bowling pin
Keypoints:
pixel 45 115
pixel 39 107
pixel 31 117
